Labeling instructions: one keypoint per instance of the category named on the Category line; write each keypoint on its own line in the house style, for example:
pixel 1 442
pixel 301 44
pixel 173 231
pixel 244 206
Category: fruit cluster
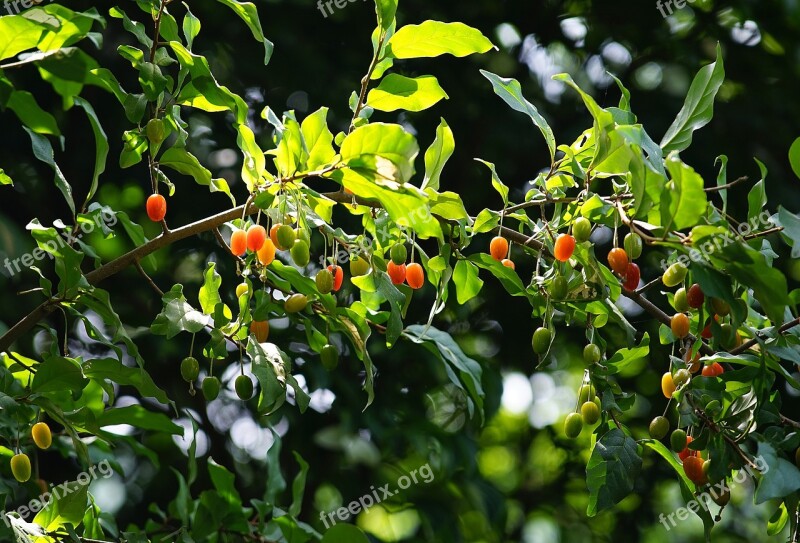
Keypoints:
pixel 20 462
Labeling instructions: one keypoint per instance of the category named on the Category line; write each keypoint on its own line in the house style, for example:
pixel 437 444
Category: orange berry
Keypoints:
pixel 273 234
pixel 338 276
pixel 498 248
pixel 618 260
pixel 687 452
pixel 714 370
pixel 260 329
pixel 396 273
pixel 239 242
pixel 667 385
pixel 694 364
pixel 267 253
pixel 679 325
pixel 564 247
pixel 508 263
pixel 693 467
pixel 256 236
pixel 415 275
pixel 156 207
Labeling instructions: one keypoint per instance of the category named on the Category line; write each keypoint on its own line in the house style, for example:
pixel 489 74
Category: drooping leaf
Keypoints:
pixel 434 38
pixel 437 155
pixel 612 470
pixel 248 12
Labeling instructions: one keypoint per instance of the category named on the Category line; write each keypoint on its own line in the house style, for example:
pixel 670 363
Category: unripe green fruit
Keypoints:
pixel 21 467
pixel 155 130
pixel 681 376
pixel 286 237
pixel 359 266
pixel 590 413
pixel 398 253
pixel 713 408
pixel 674 275
pixel 591 354
pixel 211 386
pixel 728 336
pixel 573 425
pixel 680 302
pixel 244 387
pixel 241 289
pixel 190 369
pixel 678 440
pixel 324 280
pixel 41 435
pixel 300 253
pixel 584 393
pixel 295 303
pixel 720 307
pixel 581 229
pixel 659 427
pixel 541 340
pixel 559 288
pixel 633 246
pixel 302 233
pixel 330 357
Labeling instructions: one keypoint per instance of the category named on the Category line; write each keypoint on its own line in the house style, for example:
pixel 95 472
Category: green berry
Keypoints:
pixel 244 387
pixel 190 369
pixel 211 386
pixel 573 425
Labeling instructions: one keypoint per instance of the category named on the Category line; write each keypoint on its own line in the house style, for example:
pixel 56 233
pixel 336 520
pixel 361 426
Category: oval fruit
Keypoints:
pixel 239 242
pixel 302 233
pixel 573 425
pixel 256 236
pixel 693 364
pixel 678 440
pixel 618 260
pixel 300 253
pixel 693 468
pixel 679 325
pixel 21 467
pixel 541 340
pixel 681 377
pixel 211 386
pixel 674 275
pixel 720 307
pixel 559 287
pixel 338 276
pixel 584 393
pixel 632 276
pixel 155 131
pixel 695 296
pixel 581 229
pixel 713 370
pixel 295 303
pixel 591 354
pixel 324 281
pixel 396 273
pixel 687 452
pixel 680 301
pixel 244 387
pixel 633 245
pixel 190 369
pixel 359 266
pixel 156 207
pixel 727 336
pixel 267 253
pixel 41 435
pixel 286 236
pixel 260 329
pixel 590 413
pixel 241 289
pixel 564 247
pixel 721 497
pixel 667 385
pixel 659 427
pixel 273 234
pixel 415 276
pixel 508 263
pixel 498 248
pixel 330 357
pixel 398 253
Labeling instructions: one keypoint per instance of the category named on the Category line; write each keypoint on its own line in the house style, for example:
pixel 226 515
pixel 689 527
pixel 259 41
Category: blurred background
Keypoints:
pixel 516 478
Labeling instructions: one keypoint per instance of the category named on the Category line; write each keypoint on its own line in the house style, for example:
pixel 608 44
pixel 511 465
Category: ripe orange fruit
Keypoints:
pixel 667 385
pixel 687 452
pixel 498 248
pixel 693 363
pixel 273 234
pixel 693 467
pixel 267 253
pixel 338 276
pixel 508 263
pixel 41 435
pixel 239 242
pixel 564 247
pixel 156 207
pixel 260 329
pixel 396 273
pixel 618 260
pixel 256 236
pixel 415 275
pixel 714 370
pixel 679 325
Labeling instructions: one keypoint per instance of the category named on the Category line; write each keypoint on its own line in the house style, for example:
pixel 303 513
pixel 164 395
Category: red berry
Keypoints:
pixel 564 247
pixel 256 236
pixel 239 242
pixel 415 276
pixel 156 207
pixel 695 296
pixel 632 276
pixel 498 248
pixel 338 276
pixel 396 273
pixel 618 260
pixel 714 370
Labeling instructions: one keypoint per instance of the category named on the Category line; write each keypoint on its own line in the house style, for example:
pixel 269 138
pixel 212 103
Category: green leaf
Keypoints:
pixel 101 369
pixel 411 94
pixel 69 508
pixel 780 479
pixel 209 292
pixel 684 201
pixel 626 356
pixel 698 108
pixel 179 159
pixel 44 152
pixel 386 10
pixel 28 111
pixel 100 142
pixel 434 38
pixel 4 178
pixel 344 533
pixel 191 26
pixel 138 416
pixel 385 151
pixel 437 155
pixel 249 14
pixel 298 486
pixel 318 139
pixel 18 34
pixel 507 277
pixel 794 157
pixel 468 283
pixel 57 373
pixel 498 185
pixel 791 229
pixel 178 316
pixel 511 92
pixel 757 197
pixel 612 470
pixel 224 482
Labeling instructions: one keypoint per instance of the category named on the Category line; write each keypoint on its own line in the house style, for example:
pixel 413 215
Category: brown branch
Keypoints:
pixel 747 344
pixel 714 428
pixel 149 279
pixel 727 185
pixel 365 81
